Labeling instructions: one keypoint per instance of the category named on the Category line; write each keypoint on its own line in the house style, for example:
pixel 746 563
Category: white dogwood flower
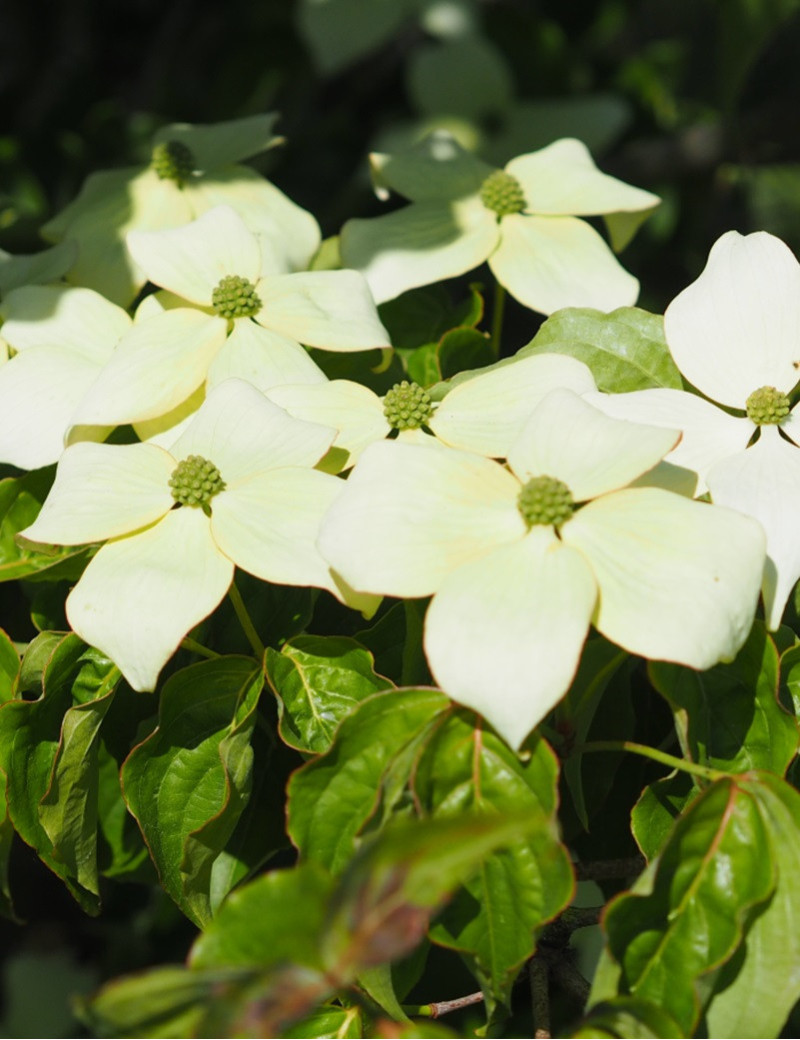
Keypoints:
pixel 62 337
pixel 242 316
pixel 238 488
pixel 484 413
pixel 524 220
pixel 521 560
pixel 735 335
pixel 192 169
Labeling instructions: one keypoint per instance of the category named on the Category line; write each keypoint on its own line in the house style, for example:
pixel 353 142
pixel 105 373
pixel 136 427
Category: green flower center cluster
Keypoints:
pixel 235 297
pixel 195 481
pixel 767 405
pixel 545 500
pixel 407 406
pixel 502 194
pixel 173 161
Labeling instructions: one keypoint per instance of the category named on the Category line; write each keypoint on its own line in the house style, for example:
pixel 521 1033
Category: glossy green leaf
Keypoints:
pixel 333 797
pixel 686 914
pixel 278 917
pixel 188 782
pixel 48 752
pixel 20 501
pixel 755 993
pixel 659 806
pixel 729 717
pixel 493 922
pixel 328 1021
pixel 318 680
pixel 422 364
pixel 625 349
pixel 628 1018
pixel 790 677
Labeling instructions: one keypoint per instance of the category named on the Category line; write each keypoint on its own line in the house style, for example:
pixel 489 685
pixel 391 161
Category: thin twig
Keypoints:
pixel 538 973
pixel 442 1007
pixel 610 869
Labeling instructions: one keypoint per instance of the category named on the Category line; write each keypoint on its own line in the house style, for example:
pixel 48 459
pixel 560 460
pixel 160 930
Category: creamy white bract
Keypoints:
pixel 735 335
pixel 656 573
pixel 523 220
pixel 166 565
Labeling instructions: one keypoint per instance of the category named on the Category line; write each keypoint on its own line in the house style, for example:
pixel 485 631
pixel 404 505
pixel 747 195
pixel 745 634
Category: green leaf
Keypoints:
pixel 729 717
pixel 318 680
pixel 164 1002
pixel 21 499
pixel 68 811
pixel 436 78
pixel 686 914
pixel 400 876
pixel 422 316
pixel 493 922
pixel 48 752
pixel 755 993
pixel 463 348
pixel 277 918
pixel 328 1021
pixel 188 782
pixel 660 805
pixel 599 663
pixel 9 666
pixel 395 641
pixel 340 31
pixel 628 1018
pixel 745 27
pixel 333 797
pixel 625 349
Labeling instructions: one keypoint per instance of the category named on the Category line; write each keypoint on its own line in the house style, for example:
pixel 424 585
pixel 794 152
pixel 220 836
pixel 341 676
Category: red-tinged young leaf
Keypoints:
pixel 403 874
pixel 686 914
pixel 332 797
pixel 729 717
pixel 189 781
pixel 494 920
pixel 318 680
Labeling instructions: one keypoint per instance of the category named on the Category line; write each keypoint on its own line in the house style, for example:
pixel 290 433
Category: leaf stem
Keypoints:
pixel 498 312
pixel 245 621
pixel 706 772
pixel 197 648
pixel 442 1007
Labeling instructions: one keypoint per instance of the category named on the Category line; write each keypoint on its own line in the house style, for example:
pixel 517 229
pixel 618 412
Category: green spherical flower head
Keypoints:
pixel 195 481
pixel 235 297
pixel 767 405
pixel 502 194
pixel 173 161
pixel 545 500
pixel 407 406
